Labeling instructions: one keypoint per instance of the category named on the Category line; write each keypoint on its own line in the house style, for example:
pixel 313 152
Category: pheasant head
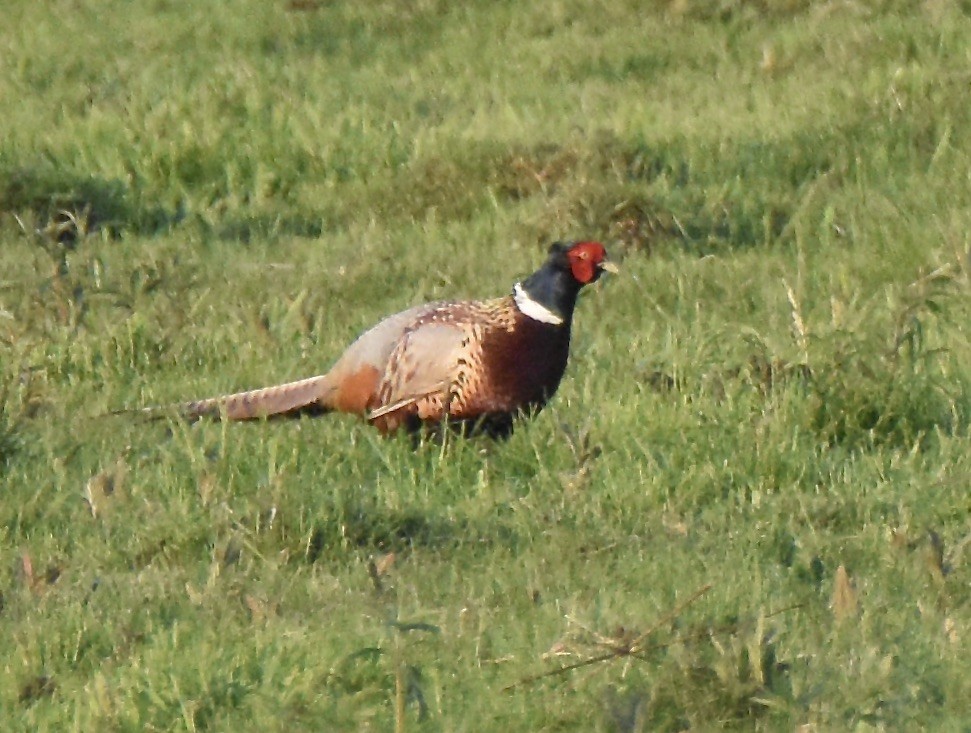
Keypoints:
pixel 549 295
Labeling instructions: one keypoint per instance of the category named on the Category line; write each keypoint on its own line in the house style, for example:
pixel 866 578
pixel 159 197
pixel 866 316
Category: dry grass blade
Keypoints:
pixel 798 325
pixel 637 648
pixel 619 648
pixel 844 601
pixel 104 487
pixel 934 556
pixel 378 568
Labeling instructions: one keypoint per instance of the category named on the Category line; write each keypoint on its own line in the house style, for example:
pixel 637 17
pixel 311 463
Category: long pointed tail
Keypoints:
pixel 312 395
pixel 307 395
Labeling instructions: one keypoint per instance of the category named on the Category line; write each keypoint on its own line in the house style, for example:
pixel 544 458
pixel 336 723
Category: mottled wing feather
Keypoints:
pixel 422 368
pixel 436 393
pixel 373 347
pixel 437 367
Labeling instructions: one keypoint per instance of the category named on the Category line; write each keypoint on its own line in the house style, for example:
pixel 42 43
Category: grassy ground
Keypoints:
pixel 773 401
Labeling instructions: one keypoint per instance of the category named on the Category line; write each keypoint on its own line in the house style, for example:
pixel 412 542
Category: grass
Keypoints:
pixel 773 400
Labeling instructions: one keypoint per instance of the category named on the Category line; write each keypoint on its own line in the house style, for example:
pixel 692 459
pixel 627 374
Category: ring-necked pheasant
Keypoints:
pixel 477 364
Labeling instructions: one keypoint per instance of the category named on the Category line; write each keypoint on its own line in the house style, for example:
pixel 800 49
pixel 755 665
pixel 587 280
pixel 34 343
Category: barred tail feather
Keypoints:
pixel 307 395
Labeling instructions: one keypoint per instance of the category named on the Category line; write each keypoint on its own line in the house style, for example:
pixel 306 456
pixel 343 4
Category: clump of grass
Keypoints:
pixel 65 207
pixel 20 401
pixel 895 387
pixel 12 416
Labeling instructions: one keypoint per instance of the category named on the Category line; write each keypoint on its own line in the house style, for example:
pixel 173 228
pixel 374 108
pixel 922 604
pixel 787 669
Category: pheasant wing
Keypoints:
pixel 425 367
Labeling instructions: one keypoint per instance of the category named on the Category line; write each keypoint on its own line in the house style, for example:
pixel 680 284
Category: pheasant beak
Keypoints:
pixel 608 266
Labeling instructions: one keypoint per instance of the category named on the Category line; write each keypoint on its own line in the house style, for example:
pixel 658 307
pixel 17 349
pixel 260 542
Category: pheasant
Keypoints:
pixel 476 364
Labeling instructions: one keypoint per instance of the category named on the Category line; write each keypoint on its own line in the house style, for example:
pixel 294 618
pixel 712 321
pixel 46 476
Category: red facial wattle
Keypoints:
pixel 584 259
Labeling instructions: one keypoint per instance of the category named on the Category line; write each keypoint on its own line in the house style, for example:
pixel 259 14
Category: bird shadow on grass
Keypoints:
pixel 378 529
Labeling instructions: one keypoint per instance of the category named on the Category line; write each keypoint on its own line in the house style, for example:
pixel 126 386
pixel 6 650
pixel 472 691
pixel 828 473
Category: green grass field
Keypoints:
pixel 757 472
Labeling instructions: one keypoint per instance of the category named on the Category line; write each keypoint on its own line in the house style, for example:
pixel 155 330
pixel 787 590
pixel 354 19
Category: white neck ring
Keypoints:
pixel 533 309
